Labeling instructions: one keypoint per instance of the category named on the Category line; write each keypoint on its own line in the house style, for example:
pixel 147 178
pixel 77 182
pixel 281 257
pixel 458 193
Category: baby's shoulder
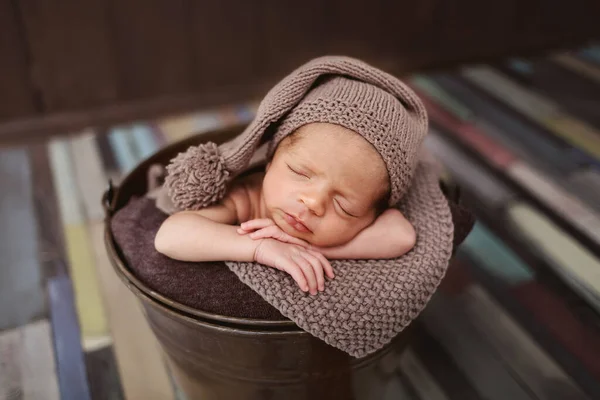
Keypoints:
pixel 244 192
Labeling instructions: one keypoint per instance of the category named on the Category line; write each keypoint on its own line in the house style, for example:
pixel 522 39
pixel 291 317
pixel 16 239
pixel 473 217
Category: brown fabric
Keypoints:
pixel 210 287
pixel 369 301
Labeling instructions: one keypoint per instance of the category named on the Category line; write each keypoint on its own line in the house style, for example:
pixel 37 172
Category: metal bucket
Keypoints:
pixel 219 357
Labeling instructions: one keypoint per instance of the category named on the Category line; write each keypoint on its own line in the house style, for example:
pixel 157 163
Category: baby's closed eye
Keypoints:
pixel 297 171
pixel 344 209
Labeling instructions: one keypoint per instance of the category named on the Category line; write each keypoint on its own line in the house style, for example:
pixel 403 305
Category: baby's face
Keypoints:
pixel 323 185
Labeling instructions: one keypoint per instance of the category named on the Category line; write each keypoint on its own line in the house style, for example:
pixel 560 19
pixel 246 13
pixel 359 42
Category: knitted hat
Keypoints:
pixel 337 90
pixel 373 113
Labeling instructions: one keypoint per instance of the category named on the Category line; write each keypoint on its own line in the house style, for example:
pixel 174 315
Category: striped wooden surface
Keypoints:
pixel 70 360
pixel 576 263
pixel 90 308
pixel 143 372
pixel 543 376
pixel 490 253
pixel 474 356
pixel 522 132
pixel 527 142
pixel 27 367
pixel 545 112
pixel 581 67
pixel 567 207
pixel 21 284
pixel 576 94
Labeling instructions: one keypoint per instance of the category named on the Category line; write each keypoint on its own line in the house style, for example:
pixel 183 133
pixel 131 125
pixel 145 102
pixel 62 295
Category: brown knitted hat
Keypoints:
pixel 381 118
pixel 338 90
pixel 369 301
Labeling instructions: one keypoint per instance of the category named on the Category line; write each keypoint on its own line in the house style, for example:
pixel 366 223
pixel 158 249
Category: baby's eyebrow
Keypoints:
pixel 304 164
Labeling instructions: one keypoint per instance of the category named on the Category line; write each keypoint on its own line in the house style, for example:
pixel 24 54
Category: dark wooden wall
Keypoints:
pixel 68 63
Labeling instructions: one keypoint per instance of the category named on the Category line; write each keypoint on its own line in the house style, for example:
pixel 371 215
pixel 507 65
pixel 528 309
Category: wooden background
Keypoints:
pixel 65 64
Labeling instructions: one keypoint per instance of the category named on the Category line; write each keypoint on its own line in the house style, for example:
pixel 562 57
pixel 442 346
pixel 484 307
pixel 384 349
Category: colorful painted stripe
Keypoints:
pixel 489 252
pixel 90 178
pixel 473 354
pixel 27 366
pixel 442 97
pixel 121 143
pixel 180 127
pixel 575 263
pixel 21 278
pixel 88 302
pixel 591 53
pixel 70 362
pixel 562 202
pixel 516 348
pixel 581 67
pixel 145 141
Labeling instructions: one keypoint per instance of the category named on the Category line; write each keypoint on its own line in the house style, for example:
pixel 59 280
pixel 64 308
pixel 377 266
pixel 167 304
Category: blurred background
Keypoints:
pixel 89 88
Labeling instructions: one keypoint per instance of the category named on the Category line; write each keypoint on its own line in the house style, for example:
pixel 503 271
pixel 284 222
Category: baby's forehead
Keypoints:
pixel 343 145
pixel 354 159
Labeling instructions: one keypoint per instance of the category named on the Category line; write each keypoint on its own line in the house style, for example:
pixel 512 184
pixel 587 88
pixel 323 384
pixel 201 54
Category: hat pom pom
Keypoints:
pixel 197 178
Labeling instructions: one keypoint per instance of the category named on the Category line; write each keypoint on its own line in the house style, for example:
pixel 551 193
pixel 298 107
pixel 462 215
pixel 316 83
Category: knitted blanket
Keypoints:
pixel 369 301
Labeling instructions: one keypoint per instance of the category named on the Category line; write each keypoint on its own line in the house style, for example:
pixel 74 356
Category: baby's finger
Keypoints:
pixel 293 240
pixel 255 224
pixel 318 268
pixel 308 271
pixel 296 273
pixel 324 262
pixel 263 233
pixel 276 233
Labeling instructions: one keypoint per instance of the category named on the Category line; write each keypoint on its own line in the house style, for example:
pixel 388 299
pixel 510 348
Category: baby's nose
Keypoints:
pixel 314 202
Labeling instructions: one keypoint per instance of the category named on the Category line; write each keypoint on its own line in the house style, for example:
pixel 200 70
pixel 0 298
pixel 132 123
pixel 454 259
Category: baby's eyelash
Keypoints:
pixel 296 172
pixel 344 210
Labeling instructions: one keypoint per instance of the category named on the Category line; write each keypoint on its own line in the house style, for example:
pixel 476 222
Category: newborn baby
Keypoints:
pixel 323 195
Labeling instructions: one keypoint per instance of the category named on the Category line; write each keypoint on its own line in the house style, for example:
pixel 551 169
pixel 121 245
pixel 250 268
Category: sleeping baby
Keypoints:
pixel 339 161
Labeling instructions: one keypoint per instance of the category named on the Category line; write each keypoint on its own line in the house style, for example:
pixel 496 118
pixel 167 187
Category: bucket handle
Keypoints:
pixel 107 199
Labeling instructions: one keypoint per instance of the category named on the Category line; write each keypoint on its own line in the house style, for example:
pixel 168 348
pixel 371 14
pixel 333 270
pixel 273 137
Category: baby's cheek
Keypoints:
pixel 336 232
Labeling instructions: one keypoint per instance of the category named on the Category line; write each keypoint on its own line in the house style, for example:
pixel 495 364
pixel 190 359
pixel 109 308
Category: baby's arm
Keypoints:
pixel 205 235
pixel 208 235
pixel 390 236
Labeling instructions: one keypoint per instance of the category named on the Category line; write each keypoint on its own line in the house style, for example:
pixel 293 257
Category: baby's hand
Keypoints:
pixel 265 228
pixel 305 266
